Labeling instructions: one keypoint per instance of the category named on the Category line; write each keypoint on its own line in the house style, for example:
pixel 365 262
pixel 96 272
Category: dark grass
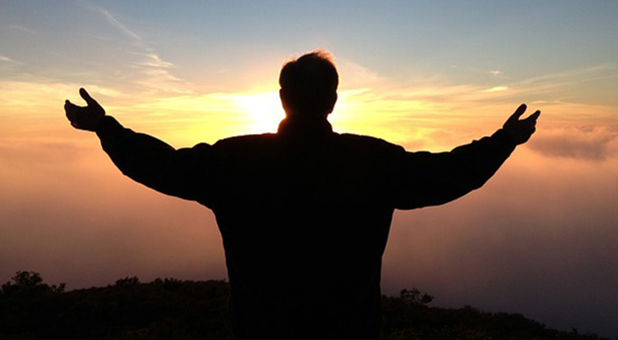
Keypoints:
pixel 173 309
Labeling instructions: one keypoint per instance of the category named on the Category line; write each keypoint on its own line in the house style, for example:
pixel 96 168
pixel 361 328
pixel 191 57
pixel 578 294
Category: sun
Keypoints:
pixel 264 111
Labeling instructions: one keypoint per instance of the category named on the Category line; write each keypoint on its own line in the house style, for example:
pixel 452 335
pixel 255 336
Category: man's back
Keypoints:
pixel 305 216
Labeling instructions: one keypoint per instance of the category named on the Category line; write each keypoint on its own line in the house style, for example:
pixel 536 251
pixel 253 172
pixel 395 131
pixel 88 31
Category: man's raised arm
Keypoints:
pixel 145 159
pixel 436 178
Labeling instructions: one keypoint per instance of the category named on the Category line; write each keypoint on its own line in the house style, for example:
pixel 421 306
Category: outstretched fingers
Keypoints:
pixel 531 120
pixel 69 109
pixel 533 117
pixel 520 111
pixel 86 96
pixel 521 129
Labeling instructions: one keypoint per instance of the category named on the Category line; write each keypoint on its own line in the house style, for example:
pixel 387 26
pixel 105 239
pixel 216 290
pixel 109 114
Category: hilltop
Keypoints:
pixel 192 310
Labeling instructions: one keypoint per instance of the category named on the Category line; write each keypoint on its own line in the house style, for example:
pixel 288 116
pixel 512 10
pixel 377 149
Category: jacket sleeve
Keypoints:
pixel 427 179
pixel 182 173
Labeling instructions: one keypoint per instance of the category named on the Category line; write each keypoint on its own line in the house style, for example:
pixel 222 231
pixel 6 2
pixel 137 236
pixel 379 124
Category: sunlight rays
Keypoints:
pixel 264 111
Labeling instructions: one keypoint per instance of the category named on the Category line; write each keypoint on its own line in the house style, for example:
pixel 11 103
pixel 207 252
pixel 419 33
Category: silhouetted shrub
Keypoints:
pixel 188 310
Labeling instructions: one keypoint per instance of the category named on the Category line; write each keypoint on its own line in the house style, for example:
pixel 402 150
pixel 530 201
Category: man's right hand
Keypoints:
pixel 521 129
pixel 84 117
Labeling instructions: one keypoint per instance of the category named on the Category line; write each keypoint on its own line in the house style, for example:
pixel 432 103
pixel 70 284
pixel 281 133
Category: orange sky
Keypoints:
pixel 538 239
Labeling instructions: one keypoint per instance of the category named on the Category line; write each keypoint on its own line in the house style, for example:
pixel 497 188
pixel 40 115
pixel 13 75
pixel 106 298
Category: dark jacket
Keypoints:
pixel 304 214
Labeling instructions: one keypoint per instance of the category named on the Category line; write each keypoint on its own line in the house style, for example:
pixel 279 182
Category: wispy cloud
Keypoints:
pixel 114 22
pixel 153 60
pixel 36 98
pixel 576 74
pixel 354 75
pixel 111 19
pixel 567 78
pixel 19 28
pixel 550 88
pixel 496 89
pixel 6 59
pixel 153 72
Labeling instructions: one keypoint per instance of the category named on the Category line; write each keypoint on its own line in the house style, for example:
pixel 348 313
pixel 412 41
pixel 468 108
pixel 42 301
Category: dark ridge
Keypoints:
pixel 191 310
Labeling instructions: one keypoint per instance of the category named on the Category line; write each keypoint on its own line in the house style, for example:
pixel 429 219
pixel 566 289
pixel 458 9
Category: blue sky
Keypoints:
pixel 400 40
pixel 538 239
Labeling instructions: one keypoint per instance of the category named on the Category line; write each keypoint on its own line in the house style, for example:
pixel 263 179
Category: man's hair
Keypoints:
pixel 310 83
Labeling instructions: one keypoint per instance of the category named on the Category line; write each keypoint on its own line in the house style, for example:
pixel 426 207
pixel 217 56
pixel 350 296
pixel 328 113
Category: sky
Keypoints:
pixel 540 238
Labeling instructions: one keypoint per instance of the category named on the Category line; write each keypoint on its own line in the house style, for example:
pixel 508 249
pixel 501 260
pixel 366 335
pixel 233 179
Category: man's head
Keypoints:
pixel 309 85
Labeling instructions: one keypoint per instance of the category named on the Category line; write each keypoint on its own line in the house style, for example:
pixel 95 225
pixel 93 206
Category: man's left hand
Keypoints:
pixel 521 129
pixel 84 117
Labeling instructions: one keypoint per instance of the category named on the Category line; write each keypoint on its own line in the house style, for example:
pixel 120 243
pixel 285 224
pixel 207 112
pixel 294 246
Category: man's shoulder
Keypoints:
pixel 347 140
pixel 369 142
pixel 246 140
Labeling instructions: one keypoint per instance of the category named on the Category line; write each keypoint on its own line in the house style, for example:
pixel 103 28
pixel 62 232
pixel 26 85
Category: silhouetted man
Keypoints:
pixel 304 213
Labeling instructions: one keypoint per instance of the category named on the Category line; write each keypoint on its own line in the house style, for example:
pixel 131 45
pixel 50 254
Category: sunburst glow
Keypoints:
pixel 263 109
